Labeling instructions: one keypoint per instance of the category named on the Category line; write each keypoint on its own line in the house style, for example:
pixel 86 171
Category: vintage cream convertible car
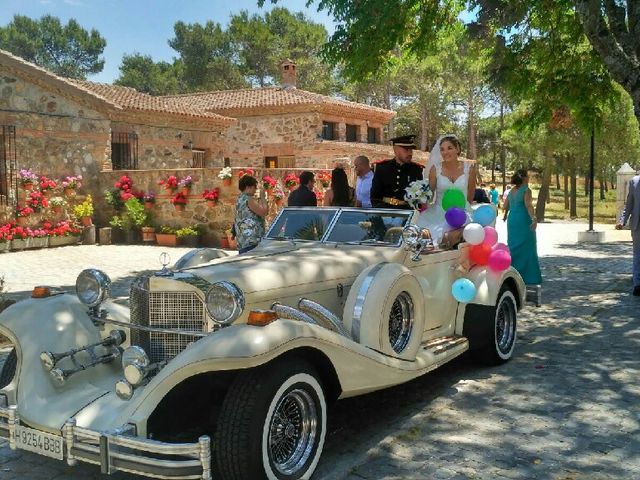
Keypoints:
pixel 223 366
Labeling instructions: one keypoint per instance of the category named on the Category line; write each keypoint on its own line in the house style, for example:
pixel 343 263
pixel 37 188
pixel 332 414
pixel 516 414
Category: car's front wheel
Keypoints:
pixel 9 368
pixel 272 423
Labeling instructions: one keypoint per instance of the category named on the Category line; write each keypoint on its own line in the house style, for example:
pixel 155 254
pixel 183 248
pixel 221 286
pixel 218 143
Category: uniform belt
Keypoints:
pixel 394 201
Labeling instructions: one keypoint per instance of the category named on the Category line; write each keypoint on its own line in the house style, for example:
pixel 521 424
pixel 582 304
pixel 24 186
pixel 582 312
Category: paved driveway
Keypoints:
pixel 566 406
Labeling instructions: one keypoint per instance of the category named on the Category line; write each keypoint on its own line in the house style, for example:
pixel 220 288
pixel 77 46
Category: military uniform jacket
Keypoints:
pixel 390 180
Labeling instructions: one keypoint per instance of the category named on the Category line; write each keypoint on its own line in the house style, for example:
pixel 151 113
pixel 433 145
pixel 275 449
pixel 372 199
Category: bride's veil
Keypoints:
pixel 435 157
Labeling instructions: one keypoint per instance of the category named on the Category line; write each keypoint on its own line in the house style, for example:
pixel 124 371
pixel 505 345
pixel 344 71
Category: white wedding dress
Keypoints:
pixel 433 217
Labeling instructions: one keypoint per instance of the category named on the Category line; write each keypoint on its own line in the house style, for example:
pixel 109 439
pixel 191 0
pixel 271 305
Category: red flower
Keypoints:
pixel 212 194
pixel 246 171
pixel 170 183
pixel 179 199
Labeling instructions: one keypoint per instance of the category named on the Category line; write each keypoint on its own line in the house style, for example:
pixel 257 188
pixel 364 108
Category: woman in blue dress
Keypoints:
pixel 521 229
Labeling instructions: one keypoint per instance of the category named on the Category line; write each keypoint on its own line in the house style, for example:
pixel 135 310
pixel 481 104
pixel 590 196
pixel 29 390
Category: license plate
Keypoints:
pixel 39 442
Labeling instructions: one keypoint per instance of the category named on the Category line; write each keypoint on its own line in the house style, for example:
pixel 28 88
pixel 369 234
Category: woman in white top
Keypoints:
pixel 447 171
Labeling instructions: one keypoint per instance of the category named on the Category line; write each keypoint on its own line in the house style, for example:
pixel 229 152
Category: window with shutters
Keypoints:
pixel 352 133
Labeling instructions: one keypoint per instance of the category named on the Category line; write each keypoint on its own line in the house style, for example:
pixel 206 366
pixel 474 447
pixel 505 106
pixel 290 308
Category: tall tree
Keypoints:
pixel 145 75
pixel 67 50
pixel 210 61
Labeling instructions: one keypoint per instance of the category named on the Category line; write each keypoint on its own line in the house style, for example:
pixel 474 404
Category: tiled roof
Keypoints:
pixel 131 99
pixel 227 101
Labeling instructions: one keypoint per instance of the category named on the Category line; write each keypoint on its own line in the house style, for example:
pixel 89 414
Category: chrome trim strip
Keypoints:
pixel 95 318
pixel 362 294
pixel 285 311
pixel 323 314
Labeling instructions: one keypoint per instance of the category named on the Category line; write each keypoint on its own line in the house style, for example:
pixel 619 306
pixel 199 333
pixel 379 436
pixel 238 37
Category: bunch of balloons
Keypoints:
pixel 453 203
pixel 485 250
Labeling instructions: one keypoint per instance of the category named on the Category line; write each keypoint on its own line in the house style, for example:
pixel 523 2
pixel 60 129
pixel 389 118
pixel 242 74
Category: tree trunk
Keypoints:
pixel 503 156
pixel 543 194
pixel 566 183
pixel 602 186
pixel 472 152
pixel 424 127
pixel 558 178
pixel 587 187
pixel 573 200
pixel 493 164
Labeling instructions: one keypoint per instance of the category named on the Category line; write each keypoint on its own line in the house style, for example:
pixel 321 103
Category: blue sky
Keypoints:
pixel 143 26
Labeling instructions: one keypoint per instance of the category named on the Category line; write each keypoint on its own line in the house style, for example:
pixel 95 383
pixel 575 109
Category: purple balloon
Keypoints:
pixel 455 217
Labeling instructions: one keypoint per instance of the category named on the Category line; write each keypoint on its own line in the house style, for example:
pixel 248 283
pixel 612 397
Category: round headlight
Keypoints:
pixel 410 236
pixel 135 355
pixel 124 390
pixel 135 374
pixel 92 287
pixel 225 302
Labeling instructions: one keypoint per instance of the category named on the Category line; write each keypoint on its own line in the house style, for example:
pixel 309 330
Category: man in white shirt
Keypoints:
pixel 363 182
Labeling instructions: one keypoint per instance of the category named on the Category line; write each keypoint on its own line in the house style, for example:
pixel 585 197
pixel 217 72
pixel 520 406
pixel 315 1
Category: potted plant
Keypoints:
pixel 211 196
pixel 149 200
pixel 84 211
pixel 56 204
pixel 278 195
pixel 70 184
pixel 47 185
pixel 291 181
pixel 27 179
pixel 324 179
pixel 148 233
pixel 170 184
pixel 226 176
pixel 185 185
pixel 269 184
pixel 188 236
pixel 37 201
pixel 246 171
pixel 133 219
pixel 22 213
pixel 63 233
pixel 167 237
pixel 179 200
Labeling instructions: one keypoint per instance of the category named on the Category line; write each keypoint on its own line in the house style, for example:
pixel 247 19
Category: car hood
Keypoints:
pixel 275 267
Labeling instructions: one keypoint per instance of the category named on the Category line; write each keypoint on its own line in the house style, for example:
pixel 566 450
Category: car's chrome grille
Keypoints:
pixel 169 310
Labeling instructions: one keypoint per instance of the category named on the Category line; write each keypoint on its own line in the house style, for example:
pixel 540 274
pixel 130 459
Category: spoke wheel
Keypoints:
pixel 401 322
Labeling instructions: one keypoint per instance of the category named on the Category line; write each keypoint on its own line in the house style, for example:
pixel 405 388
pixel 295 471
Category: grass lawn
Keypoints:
pixel 604 211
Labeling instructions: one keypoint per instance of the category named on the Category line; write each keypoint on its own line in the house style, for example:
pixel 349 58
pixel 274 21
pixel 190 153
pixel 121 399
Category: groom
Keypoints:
pixel 632 211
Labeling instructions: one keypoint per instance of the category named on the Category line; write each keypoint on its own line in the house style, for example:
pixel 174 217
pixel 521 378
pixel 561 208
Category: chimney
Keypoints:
pixel 288 68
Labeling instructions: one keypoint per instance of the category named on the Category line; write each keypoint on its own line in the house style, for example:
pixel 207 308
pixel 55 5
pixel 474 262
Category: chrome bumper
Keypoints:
pixel 116 452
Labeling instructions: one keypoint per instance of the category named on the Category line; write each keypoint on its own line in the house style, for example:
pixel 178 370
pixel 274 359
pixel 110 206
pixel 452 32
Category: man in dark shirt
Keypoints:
pixel 391 177
pixel 303 196
pixel 480 195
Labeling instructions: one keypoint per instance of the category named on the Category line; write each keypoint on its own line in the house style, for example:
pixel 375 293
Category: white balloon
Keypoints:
pixel 473 233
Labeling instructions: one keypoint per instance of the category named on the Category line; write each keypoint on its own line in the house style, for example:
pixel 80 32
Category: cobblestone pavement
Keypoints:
pixel 564 408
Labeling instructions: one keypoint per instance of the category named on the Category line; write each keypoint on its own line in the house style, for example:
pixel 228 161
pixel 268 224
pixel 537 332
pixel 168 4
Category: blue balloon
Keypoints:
pixel 484 215
pixel 463 290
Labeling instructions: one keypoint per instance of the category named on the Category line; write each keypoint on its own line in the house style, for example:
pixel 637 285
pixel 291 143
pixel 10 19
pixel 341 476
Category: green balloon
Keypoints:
pixel 453 197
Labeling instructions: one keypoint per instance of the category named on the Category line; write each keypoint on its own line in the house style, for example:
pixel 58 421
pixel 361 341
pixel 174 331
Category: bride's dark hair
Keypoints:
pixel 454 141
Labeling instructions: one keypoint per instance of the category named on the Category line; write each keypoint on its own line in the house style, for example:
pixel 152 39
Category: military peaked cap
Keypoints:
pixel 406 141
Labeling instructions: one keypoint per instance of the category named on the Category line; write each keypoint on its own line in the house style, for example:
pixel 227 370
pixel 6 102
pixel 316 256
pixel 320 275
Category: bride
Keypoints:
pixel 446 171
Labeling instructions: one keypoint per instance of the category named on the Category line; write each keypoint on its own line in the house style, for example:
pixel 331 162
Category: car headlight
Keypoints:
pixel 225 302
pixel 93 287
pixel 135 355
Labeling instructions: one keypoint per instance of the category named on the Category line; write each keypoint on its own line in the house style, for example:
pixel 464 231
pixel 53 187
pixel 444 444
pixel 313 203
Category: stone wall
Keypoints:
pixel 54 135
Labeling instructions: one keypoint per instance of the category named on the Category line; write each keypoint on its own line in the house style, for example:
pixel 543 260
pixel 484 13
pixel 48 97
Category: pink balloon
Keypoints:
pixel 501 246
pixel 499 260
pixel 490 236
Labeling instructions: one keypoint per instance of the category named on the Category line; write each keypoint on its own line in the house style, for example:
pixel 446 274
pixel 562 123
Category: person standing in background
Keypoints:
pixel 494 196
pixel 521 229
pixel 631 212
pixel 505 194
pixel 340 194
pixel 249 223
pixel 303 196
pixel 363 182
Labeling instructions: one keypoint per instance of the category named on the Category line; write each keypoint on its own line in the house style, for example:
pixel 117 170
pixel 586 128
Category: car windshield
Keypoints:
pixel 370 227
pixel 301 224
pixel 353 226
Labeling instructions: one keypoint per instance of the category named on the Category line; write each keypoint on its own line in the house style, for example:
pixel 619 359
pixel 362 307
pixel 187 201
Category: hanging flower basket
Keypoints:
pixel 212 203
pixel 226 182
pixel 179 207
pixel 148 205
pixel 27 186
pixel 69 192
pixel 186 191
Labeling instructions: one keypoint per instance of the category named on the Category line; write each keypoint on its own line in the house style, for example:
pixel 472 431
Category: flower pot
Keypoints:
pixel 224 243
pixel 56 209
pixel 148 234
pixel 186 191
pixel 226 182
pixel 179 207
pixel 38 242
pixel 233 244
pixel 167 239
pixel 190 241
pixel 212 203
pixel 58 241
pixel 21 221
pixel 278 202
pixel 148 205
pixel 20 243
pixel 86 221
pixel 69 192
pixel 27 186
pixel 4 246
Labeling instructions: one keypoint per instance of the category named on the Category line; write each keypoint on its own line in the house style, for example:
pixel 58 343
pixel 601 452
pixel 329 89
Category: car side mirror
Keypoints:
pixel 417 240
